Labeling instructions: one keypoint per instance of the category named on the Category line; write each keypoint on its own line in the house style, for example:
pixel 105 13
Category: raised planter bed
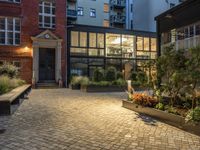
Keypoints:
pixel 168 118
pixel 13 97
pixel 75 87
pixel 111 88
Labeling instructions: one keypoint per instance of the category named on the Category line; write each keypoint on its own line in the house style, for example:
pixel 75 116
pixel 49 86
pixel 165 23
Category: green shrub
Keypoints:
pixel 75 80
pixel 119 75
pixel 111 74
pixel 193 115
pixel 7 83
pixel 160 106
pixel 133 76
pixel 98 75
pixel 9 70
pixel 84 81
pixel 101 83
pixel 4 84
pixel 172 110
pixel 119 82
pixel 141 77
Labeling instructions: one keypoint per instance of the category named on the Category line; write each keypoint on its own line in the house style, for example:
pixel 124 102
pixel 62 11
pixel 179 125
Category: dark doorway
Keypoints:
pixel 46 65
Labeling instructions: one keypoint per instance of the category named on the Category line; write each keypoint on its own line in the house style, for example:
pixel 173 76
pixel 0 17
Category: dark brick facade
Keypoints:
pixel 28 12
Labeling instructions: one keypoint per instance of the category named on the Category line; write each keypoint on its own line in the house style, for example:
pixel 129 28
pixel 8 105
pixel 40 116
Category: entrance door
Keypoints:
pixel 46 65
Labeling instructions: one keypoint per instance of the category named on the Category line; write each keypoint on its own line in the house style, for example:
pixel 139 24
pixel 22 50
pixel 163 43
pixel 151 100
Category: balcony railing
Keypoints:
pixel 118 19
pixel 72 13
pixel 185 43
pixel 118 3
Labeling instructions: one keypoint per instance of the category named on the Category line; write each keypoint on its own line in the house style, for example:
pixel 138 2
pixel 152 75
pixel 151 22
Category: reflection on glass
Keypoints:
pixel 78 51
pixel 93 39
pixel 140 43
pixel 79 66
pixel 83 39
pixel 100 41
pixel 128 46
pixel 117 63
pixel 113 45
pixel 74 38
pixel 146 44
pixel 96 52
pixel 143 55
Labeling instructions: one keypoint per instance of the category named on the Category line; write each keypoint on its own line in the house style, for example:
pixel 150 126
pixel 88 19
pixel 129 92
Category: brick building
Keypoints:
pixel 32 37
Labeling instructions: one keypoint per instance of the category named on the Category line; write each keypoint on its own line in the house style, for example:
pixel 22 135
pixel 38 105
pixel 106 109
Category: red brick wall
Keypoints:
pixel 28 12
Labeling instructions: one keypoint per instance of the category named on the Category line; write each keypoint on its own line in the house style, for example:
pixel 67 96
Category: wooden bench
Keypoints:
pixel 13 97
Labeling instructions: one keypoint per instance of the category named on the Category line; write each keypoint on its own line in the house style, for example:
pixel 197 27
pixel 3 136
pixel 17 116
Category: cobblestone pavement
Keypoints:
pixel 63 119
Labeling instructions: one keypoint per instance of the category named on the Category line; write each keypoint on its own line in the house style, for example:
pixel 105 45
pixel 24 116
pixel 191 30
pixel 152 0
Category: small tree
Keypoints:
pixel 111 74
pixel 98 75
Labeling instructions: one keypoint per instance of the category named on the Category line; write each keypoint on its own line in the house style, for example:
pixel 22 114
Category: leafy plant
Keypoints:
pixel 84 81
pixel 98 75
pixel 76 80
pixel 193 115
pixel 144 100
pixel 110 74
pixel 119 75
pixel 4 84
pixel 9 70
pixel 119 82
pixel 141 78
pixel 133 76
pixel 101 83
pixel 160 106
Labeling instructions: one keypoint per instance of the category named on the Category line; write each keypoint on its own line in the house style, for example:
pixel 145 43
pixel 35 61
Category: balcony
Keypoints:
pixel 118 19
pixel 72 14
pixel 119 4
pixel 185 43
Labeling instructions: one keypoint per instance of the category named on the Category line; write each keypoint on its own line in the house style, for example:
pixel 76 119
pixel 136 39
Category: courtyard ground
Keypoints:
pixel 64 119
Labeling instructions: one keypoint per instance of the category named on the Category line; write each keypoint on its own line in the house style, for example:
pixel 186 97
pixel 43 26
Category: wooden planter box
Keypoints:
pixel 111 88
pixel 13 97
pixel 75 87
pixel 166 117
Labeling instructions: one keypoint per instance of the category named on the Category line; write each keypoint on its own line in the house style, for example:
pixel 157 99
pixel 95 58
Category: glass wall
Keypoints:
pixel 90 50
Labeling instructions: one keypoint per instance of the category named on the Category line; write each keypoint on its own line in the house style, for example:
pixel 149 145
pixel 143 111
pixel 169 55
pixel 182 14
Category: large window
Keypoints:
pixel 92 12
pixel 113 45
pixel 79 66
pixel 140 42
pixel 80 11
pixel 128 46
pixel 9 31
pixel 46 14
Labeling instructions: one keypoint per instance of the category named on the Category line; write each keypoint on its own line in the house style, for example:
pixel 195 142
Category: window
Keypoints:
pixel 106 8
pixel 92 12
pixel 78 51
pixel 46 14
pixel 93 39
pixel 140 45
pixel 146 44
pixel 106 23
pixel 113 45
pixel 9 31
pixel 153 44
pixel 80 11
pixel 128 46
pixel 83 39
pixel 74 38
pixel 191 28
pixel 13 1
pixel 79 66
pixel 96 52
pixel 100 40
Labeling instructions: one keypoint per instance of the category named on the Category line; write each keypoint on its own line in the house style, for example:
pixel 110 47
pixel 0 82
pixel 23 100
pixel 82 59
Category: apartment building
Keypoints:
pixel 88 12
pixel 32 37
pixel 141 13
pixel 179 26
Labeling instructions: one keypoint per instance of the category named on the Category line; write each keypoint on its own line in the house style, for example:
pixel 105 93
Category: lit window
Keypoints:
pixel 46 14
pixel 146 44
pixel 106 23
pixel 9 31
pixel 153 44
pixel 93 40
pixel 80 11
pixel 92 12
pixel 140 45
pixel 106 8
pixel 74 38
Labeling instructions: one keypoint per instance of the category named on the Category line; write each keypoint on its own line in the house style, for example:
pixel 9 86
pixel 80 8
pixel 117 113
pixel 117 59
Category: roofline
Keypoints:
pixel 107 28
pixel 174 9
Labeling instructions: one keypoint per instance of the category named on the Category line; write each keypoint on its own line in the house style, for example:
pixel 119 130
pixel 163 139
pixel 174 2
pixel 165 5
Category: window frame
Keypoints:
pixel 13 31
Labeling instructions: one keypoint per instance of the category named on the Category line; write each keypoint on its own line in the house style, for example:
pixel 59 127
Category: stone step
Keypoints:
pixel 47 85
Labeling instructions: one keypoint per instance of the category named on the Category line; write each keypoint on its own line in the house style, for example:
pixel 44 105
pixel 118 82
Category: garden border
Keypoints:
pixel 96 88
pixel 168 118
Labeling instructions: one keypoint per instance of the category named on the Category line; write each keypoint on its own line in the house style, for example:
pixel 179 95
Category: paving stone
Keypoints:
pixel 62 119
